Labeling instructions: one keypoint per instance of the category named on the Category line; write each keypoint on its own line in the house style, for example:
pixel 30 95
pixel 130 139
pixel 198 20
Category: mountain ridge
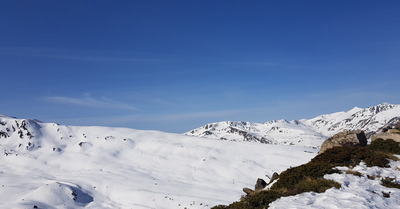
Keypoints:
pixel 304 132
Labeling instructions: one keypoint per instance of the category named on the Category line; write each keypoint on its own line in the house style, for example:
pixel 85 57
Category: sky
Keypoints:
pixel 177 65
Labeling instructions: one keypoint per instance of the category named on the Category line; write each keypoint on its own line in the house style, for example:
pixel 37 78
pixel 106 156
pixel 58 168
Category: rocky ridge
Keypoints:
pixel 304 132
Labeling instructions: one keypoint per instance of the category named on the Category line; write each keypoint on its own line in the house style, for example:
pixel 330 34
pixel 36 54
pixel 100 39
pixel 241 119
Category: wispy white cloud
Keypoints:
pixel 178 123
pixel 169 118
pixel 90 102
pixel 178 118
pixel 252 63
pixel 197 115
pixel 53 53
pixel 22 50
pixel 103 59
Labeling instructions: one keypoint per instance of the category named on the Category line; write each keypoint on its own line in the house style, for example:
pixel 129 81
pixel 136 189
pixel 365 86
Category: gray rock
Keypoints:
pixel 388 133
pixel 398 126
pixel 385 136
pixel 275 175
pixel 260 184
pixel 393 133
pixel 345 138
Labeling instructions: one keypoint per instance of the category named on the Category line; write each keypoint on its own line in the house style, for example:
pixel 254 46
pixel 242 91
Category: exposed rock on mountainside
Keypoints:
pixel 24 130
pixel 304 132
pixel 345 138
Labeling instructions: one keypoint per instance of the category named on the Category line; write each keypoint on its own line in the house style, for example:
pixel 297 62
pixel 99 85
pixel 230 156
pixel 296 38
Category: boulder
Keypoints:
pixel 248 190
pixel 393 133
pixel 260 184
pixel 275 175
pixel 345 138
pixel 385 136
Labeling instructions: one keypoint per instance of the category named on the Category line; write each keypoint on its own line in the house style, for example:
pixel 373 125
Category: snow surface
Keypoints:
pixel 53 166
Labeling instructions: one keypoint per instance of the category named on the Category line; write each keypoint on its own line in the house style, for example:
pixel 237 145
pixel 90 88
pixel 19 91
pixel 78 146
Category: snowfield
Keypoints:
pixel 100 167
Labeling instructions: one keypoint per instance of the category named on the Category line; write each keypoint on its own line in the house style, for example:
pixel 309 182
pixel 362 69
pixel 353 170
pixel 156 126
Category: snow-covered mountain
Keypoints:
pixel 55 166
pixel 47 165
pixel 304 132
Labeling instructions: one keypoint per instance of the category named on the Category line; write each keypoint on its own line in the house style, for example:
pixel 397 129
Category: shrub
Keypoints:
pixel 356 173
pixel 339 156
pixel 220 207
pixel 389 146
pixel 262 198
pixel 315 185
pixel 390 182
pixel 291 177
pixel 377 159
pixel 375 155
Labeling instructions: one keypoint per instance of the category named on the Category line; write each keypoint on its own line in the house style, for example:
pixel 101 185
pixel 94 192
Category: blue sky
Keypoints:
pixel 177 65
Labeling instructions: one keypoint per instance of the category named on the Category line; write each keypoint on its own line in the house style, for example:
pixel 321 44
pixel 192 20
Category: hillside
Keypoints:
pixel 55 166
pixel 304 132
pixel 346 176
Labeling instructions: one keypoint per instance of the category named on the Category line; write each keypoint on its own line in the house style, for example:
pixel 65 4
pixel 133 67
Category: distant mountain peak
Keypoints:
pixel 381 107
pixel 277 121
pixel 386 104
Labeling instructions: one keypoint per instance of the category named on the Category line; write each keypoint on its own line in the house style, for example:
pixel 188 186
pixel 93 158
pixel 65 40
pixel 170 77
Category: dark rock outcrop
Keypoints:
pixel 260 184
pixel 3 134
pixel 275 175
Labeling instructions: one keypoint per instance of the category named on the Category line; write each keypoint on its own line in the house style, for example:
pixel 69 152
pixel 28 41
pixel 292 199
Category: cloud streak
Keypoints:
pixel 90 102
pixel 168 118
pixel 96 59
pixel 252 63
pixel 52 53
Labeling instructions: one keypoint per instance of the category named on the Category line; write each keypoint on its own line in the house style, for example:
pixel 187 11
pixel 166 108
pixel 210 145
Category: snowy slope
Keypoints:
pixel 365 191
pixel 54 166
pixel 305 132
